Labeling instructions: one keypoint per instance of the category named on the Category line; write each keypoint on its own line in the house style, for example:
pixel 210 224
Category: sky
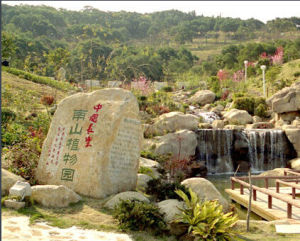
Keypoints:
pixel 262 10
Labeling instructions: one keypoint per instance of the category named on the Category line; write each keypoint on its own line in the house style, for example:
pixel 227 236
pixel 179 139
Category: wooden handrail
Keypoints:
pixel 269 177
pixel 292 185
pixel 294 172
pixel 290 202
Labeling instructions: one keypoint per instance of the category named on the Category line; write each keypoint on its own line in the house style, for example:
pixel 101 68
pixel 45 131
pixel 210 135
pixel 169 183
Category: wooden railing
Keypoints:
pixel 271 194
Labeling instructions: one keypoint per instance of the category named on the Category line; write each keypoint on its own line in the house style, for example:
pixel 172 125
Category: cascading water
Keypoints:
pixel 262 149
pixel 214 148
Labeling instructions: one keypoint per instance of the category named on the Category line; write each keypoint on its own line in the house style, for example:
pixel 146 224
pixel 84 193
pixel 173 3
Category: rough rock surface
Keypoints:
pixel 218 124
pixel 203 97
pixel 293 134
pixel 8 179
pixel 142 181
pixel 93 144
pixel 181 144
pixel 274 172
pixel 170 208
pixel 54 196
pixel 260 125
pixel 240 117
pixel 20 189
pixel 14 204
pixel 174 121
pixel 286 100
pixel 295 163
pixel 116 199
pixel 153 165
pixel 205 190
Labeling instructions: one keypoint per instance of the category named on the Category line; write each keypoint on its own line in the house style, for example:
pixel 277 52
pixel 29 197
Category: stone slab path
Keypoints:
pixel 17 228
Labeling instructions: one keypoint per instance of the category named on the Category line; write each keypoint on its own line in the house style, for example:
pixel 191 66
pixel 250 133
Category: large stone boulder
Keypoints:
pixel 115 200
pixel 181 144
pixel 142 181
pixel 54 196
pixel 286 100
pixel 174 121
pixel 205 190
pixel 293 134
pixel 295 164
pixel 274 172
pixel 203 97
pixel 8 179
pixel 93 144
pixel 238 117
pixel 170 208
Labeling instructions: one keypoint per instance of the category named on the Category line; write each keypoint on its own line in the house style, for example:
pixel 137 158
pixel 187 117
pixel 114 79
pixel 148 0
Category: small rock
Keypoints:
pixel 14 204
pixel 54 196
pixel 256 119
pixel 234 127
pixel 203 97
pixel 218 124
pixel 240 117
pixel 205 126
pixel 295 163
pixel 20 189
pixel 260 125
pixel 129 195
pixel 8 179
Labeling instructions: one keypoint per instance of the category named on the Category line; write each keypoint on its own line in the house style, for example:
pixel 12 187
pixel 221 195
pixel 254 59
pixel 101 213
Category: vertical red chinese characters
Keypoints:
pixel 93 120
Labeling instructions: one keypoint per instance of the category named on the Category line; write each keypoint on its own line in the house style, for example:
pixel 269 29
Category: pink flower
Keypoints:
pixel 222 75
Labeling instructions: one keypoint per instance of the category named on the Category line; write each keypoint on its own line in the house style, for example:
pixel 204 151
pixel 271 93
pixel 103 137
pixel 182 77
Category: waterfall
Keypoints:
pixel 270 148
pixel 215 149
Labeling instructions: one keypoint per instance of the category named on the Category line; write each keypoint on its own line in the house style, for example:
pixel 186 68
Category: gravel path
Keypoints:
pixel 18 229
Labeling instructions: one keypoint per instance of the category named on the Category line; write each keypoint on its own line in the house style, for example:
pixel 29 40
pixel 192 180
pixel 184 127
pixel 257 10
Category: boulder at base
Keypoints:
pixel 93 144
pixel 8 179
pixel 54 196
pixel 170 208
pixel 205 190
pixel 115 200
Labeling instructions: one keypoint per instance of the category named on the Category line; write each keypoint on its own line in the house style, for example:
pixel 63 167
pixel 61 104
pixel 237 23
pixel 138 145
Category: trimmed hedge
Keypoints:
pixel 65 86
pixel 254 106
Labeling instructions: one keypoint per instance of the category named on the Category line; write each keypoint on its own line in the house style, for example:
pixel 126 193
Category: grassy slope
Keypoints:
pixel 23 96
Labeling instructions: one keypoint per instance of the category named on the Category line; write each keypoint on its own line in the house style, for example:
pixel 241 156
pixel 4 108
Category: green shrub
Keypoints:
pixel 250 104
pixel 205 219
pixel 13 133
pixel 7 115
pixel 148 154
pixel 138 216
pixel 146 170
pixel 297 74
pixel 161 190
pixel 244 103
pixel 41 79
pixel 167 89
pixel 260 110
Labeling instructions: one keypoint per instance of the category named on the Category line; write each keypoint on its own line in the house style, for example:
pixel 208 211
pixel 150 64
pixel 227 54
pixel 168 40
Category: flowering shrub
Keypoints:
pixel 222 75
pixel 277 58
pixel 142 85
pixel 238 76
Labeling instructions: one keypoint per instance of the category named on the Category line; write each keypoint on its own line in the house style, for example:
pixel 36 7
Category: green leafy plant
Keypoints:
pixel 205 219
pixel 7 115
pixel 260 110
pixel 138 216
pixel 146 170
pixel 161 190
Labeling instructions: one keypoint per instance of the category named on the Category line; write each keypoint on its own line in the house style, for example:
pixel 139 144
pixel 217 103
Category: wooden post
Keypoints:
pixel 277 187
pixel 270 201
pixel 241 189
pixel 232 184
pixel 293 192
pixel 254 194
pixel 249 204
pixel 267 183
pixel 289 210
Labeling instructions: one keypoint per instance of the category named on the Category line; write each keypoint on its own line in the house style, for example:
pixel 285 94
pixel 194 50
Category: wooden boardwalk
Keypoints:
pixel 260 206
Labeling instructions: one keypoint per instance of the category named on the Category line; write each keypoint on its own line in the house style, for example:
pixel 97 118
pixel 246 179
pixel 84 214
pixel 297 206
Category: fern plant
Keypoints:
pixel 205 219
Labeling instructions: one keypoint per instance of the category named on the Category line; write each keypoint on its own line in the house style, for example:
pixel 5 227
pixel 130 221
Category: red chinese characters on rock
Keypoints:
pixel 55 149
pixel 93 120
